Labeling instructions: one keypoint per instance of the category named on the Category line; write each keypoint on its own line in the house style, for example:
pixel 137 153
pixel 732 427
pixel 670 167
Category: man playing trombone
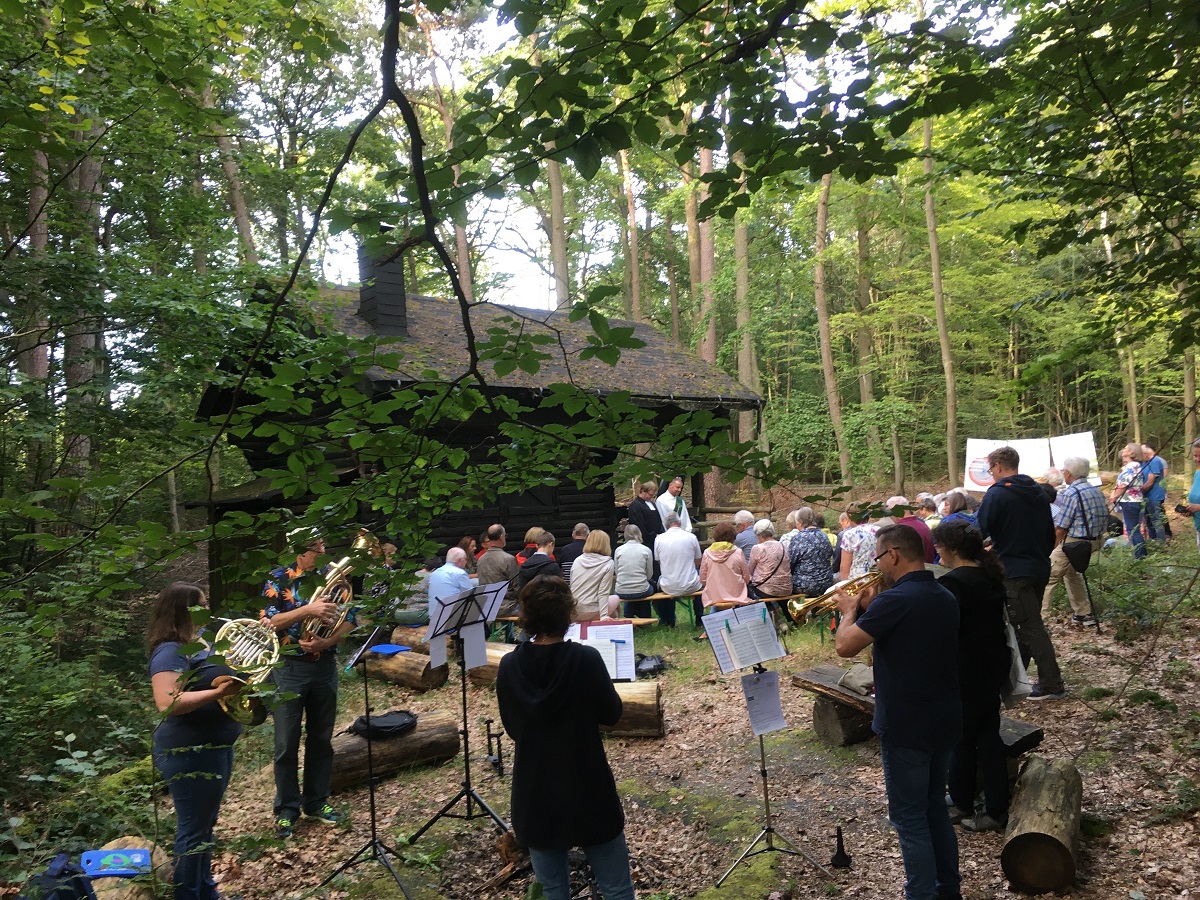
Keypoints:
pixel 913 623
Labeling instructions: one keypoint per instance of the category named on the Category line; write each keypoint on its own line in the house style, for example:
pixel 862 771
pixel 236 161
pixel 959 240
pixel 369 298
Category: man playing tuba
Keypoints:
pixel 312 676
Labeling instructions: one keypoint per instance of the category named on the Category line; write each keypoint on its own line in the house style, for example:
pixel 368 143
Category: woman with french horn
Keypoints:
pixel 193 743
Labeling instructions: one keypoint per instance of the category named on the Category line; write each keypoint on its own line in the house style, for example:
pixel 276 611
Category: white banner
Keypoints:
pixel 1034 453
pixel 1079 444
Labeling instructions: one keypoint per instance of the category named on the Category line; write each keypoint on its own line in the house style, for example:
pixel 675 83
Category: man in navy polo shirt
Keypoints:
pixel 913 624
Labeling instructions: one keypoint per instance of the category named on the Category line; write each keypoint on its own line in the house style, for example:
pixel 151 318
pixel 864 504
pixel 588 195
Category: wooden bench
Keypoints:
pixel 842 717
pixel 678 598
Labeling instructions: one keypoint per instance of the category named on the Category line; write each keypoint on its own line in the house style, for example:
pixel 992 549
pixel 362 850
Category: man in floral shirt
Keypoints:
pixel 312 677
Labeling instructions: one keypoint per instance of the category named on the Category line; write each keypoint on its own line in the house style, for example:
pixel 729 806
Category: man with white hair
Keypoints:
pixel 671 501
pixel 678 555
pixel 1082 516
pixel 790 529
pixel 450 579
pixel 743 521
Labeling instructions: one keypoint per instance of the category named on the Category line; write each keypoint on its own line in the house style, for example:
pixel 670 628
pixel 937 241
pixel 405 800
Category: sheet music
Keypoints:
pixel 493 595
pixel 761 690
pixel 474 638
pixel 742 636
pixel 620 638
pixel 437 648
pixel 714 625
pixel 574 632
pixel 608 652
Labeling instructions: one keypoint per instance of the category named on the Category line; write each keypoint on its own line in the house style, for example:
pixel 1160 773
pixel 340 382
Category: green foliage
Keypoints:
pixel 1152 698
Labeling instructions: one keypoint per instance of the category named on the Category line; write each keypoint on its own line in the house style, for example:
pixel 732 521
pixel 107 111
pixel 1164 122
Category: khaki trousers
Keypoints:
pixel 1062 570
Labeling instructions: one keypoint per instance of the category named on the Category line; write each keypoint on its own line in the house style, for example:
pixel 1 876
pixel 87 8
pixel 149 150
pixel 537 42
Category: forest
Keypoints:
pixel 901 223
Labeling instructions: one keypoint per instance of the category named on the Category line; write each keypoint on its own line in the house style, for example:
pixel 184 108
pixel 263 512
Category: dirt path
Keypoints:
pixel 693 799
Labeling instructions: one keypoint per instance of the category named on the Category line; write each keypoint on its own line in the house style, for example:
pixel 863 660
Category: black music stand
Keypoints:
pixel 375 848
pixel 477 606
pixel 767 836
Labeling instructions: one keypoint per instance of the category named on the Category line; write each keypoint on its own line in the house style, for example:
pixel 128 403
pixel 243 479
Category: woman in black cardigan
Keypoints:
pixel 976 578
pixel 553 696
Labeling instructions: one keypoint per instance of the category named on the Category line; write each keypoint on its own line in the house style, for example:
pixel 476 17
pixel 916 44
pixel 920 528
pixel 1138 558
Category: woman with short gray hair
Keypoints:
pixel 635 573
pixel 768 573
pixel 1126 496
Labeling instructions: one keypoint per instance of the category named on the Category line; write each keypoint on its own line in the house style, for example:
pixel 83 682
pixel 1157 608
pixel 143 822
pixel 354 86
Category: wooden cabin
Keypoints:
pixel 430 334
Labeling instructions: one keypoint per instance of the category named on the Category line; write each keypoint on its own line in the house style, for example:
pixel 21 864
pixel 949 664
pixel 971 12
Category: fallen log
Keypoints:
pixel 642 712
pixel 485 675
pixel 434 740
pixel 838 724
pixel 1041 844
pixel 411 670
pixel 407 636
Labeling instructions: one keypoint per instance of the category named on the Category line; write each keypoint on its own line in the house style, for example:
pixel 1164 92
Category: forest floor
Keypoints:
pixel 693 800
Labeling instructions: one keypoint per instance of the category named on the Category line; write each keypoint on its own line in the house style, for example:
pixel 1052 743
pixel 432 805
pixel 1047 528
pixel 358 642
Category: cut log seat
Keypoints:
pixel 486 674
pixel 414 637
pixel 434 740
pixel 411 670
pixel 1041 844
pixel 842 717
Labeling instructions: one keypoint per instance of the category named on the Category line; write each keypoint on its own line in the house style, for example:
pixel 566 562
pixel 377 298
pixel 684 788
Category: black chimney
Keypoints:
pixel 381 298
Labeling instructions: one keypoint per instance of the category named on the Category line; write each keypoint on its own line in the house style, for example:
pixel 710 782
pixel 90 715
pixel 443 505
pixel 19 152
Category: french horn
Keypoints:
pixel 800 609
pixel 251 649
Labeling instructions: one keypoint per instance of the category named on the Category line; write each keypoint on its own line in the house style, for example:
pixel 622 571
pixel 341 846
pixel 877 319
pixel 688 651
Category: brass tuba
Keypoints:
pixel 801 609
pixel 337 589
pixel 251 649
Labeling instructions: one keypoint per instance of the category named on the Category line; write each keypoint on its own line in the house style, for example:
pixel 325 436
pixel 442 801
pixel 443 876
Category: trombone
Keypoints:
pixel 801 608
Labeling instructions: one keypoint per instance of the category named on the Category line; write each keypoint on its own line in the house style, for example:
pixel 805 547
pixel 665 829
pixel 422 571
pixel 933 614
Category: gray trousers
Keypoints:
pixel 1025 613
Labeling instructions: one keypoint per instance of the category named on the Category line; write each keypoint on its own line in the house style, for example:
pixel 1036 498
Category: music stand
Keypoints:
pixel 476 607
pixel 375 848
pixel 765 646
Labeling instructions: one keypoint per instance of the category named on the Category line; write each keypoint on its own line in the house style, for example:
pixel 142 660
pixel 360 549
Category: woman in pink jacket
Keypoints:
pixel 723 569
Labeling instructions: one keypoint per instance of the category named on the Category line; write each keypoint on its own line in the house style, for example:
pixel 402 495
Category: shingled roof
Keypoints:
pixel 657 374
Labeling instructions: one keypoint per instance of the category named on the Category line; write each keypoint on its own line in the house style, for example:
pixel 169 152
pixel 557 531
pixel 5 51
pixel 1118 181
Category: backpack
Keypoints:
pixel 385 725
pixel 62 880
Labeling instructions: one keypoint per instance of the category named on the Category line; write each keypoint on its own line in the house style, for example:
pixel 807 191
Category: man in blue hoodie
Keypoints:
pixel 1015 514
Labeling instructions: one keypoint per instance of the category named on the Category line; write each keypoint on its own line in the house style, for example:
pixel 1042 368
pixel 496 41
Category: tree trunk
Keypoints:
pixel 81 338
pixel 1041 845
pixel 631 260
pixel 691 209
pixel 641 712
pixel 33 335
pixel 558 236
pixel 434 740
pixel 1189 405
pixel 832 394
pixel 707 319
pixel 839 725
pixel 672 283
pixel 173 503
pixel 746 362
pixel 237 199
pixel 939 304
pixel 864 338
pixel 626 271
pixel 486 674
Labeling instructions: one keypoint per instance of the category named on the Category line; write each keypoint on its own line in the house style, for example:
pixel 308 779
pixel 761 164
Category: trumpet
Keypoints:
pixel 337 588
pixel 252 651
pixel 801 609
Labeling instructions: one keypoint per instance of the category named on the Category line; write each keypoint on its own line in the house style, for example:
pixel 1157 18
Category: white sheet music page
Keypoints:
pixel 621 639
pixel 761 690
pixel 574 633
pixel 608 652
pixel 474 645
pixel 714 627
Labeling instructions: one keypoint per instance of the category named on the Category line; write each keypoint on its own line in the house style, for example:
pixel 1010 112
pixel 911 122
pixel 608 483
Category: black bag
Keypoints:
pixel 1078 554
pixel 62 880
pixel 649 666
pixel 385 725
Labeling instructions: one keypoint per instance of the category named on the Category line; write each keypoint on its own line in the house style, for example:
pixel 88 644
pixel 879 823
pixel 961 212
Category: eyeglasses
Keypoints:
pixel 883 554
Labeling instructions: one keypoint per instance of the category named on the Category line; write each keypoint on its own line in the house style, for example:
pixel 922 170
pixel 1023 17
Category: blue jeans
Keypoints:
pixel 316 686
pixel 196 778
pixel 1131 514
pixel 1154 520
pixel 609 862
pixel 635 606
pixel 916 791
